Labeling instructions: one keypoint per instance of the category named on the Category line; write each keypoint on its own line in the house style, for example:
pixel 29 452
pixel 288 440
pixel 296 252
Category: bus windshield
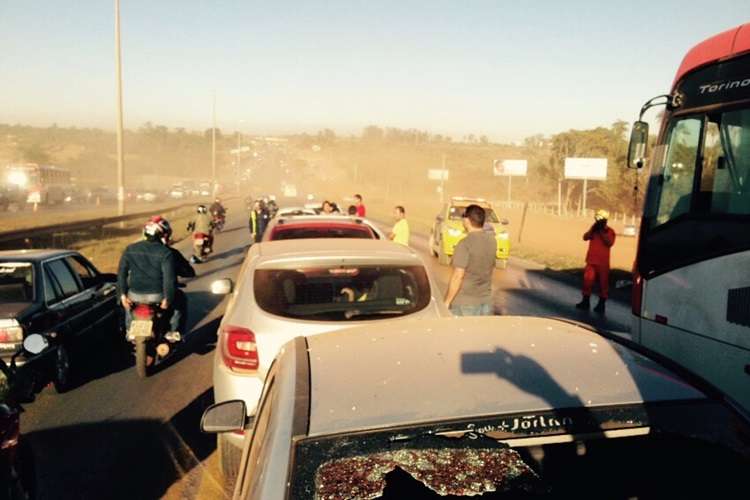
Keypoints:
pixel 704 166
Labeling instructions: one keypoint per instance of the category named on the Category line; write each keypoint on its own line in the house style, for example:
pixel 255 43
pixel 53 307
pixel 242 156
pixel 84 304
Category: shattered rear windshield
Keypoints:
pixel 682 450
pixel 445 471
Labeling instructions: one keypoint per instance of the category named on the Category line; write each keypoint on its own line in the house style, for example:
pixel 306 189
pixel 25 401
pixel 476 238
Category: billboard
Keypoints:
pixel 509 167
pixel 593 169
pixel 436 174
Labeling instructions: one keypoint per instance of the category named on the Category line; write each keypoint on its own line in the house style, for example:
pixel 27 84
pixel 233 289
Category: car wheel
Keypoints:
pixel 63 375
pixel 501 264
pixel 230 456
pixel 443 258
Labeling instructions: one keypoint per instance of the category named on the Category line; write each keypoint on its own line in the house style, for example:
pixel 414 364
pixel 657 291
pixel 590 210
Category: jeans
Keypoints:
pixel 475 310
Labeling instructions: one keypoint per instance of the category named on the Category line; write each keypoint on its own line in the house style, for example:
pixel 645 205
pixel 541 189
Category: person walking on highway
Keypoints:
pixel 400 232
pixel 361 210
pixel 470 288
pixel 258 221
pixel 601 238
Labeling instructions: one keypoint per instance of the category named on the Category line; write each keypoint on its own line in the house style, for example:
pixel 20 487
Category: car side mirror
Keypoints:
pixel 638 145
pixel 35 343
pixel 222 287
pixel 504 222
pixel 228 416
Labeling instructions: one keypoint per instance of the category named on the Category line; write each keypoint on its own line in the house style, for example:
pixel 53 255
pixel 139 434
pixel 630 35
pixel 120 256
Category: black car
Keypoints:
pixel 60 294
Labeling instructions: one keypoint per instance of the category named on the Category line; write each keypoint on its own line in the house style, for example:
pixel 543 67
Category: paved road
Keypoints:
pixel 116 436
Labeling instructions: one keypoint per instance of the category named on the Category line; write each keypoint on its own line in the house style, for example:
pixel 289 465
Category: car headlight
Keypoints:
pixel 503 235
pixel 454 232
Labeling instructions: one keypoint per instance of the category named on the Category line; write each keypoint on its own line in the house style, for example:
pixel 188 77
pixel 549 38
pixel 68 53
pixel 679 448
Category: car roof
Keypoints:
pixel 334 247
pixel 415 372
pixel 33 254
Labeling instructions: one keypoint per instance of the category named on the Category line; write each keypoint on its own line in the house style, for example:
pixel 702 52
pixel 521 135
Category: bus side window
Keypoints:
pixel 679 169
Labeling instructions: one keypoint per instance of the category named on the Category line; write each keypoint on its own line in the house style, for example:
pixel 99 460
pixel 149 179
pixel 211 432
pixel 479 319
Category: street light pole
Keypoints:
pixel 214 186
pixel 120 153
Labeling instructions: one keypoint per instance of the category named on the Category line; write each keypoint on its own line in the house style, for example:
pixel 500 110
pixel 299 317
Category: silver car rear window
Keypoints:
pixel 342 293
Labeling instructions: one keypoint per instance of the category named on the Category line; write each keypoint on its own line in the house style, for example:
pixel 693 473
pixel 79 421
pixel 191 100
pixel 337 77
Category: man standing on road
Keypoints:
pixel 601 238
pixel 470 288
pixel 258 222
pixel 361 210
pixel 400 231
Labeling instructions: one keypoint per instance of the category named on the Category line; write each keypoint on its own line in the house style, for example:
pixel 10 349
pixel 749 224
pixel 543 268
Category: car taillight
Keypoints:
pixel 10 332
pixel 143 311
pixel 239 349
pixel 637 297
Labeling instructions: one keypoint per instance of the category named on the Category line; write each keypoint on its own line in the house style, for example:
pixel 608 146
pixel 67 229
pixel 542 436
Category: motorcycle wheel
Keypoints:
pixel 62 380
pixel 140 357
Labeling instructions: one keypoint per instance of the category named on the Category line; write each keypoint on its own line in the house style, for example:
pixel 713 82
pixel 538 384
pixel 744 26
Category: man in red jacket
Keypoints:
pixel 601 238
pixel 361 211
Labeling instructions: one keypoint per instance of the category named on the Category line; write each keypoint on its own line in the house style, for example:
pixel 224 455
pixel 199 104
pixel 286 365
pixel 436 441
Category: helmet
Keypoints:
pixel 153 230
pixel 601 214
pixel 202 209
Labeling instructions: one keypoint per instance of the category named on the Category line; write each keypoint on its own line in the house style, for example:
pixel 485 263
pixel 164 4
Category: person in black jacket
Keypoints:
pixel 183 269
pixel 147 271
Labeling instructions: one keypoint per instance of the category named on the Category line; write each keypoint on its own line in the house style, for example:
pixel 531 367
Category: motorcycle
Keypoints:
pixel 218 221
pixel 15 388
pixel 150 334
pixel 202 246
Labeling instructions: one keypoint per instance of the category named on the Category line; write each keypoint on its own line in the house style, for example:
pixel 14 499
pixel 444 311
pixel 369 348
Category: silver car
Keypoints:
pixel 502 407
pixel 305 287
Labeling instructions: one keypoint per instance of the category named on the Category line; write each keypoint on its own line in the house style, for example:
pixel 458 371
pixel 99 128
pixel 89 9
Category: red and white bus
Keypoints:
pixel 42 184
pixel 691 292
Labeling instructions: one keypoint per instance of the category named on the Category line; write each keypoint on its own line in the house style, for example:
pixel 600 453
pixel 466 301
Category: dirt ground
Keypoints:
pixel 548 239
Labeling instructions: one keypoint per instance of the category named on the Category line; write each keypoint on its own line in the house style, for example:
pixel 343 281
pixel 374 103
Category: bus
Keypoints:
pixel 691 276
pixel 43 184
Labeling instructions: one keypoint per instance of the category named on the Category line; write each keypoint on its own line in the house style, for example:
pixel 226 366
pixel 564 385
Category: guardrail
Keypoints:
pixel 38 232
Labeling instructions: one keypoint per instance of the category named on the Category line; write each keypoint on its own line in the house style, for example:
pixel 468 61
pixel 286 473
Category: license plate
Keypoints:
pixel 141 328
pixel 199 242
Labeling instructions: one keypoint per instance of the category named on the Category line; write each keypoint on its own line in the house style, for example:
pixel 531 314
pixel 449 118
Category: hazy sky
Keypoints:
pixel 501 68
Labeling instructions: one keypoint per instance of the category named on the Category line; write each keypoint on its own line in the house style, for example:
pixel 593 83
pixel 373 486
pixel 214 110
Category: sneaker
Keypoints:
pixel 584 304
pixel 600 306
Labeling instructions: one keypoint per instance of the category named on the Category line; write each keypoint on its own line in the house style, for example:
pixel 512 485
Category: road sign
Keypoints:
pixel 437 174
pixel 593 169
pixel 516 168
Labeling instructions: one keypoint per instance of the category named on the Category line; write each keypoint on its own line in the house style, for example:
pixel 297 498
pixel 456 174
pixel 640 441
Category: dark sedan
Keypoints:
pixel 61 295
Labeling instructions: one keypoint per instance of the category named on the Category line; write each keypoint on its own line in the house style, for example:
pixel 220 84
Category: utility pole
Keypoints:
pixel 214 186
pixel 239 152
pixel 120 152
pixel 442 183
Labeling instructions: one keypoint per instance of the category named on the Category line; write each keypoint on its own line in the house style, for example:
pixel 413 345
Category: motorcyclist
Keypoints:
pixel 217 209
pixel 183 269
pixel 146 273
pixel 258 221
pixel 202 224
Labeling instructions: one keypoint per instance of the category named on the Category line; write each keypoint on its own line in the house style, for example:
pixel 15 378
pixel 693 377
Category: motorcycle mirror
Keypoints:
pixel 228 416
pixel 35 343
pixel 222 287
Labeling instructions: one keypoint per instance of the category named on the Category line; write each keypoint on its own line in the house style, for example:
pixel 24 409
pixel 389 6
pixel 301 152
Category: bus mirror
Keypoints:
pixel 637 148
